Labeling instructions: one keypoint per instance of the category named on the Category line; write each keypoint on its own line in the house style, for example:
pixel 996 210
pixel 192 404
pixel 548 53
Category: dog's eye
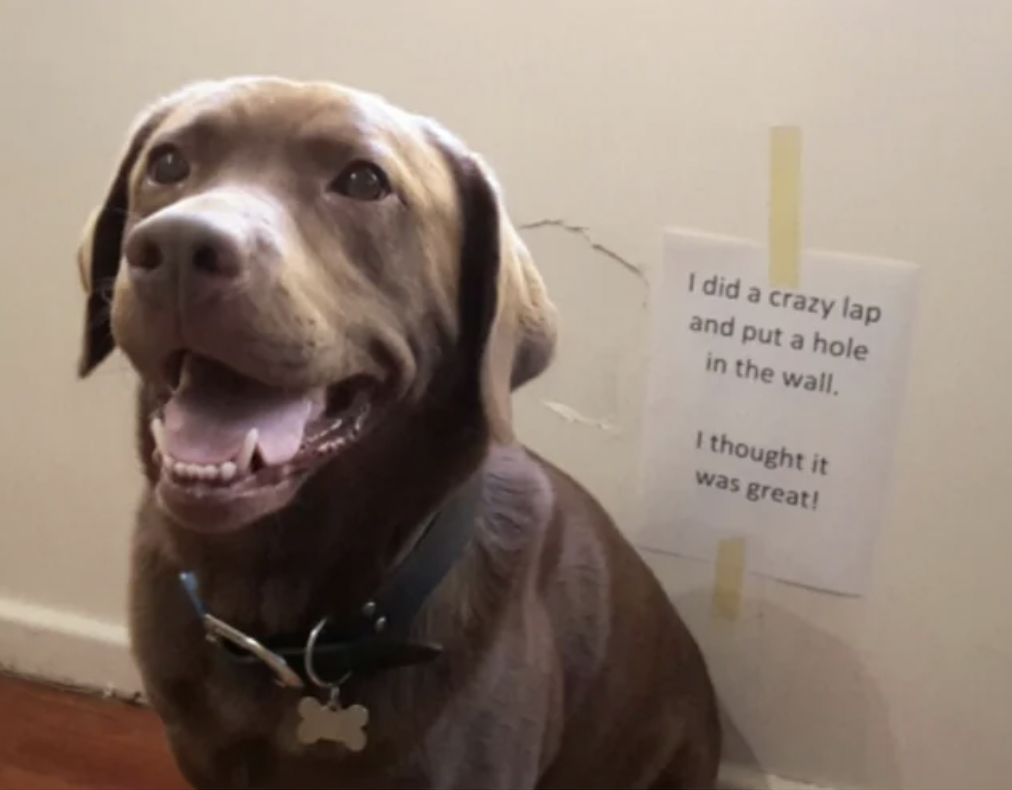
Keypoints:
pixel 166 165
pixel 362 181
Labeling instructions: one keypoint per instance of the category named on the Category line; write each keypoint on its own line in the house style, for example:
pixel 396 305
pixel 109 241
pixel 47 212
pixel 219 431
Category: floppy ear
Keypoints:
pixel 100 248
pixel 513 320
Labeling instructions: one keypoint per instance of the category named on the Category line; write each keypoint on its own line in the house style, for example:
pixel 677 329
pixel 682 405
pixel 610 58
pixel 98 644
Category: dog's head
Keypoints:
pixel 284 264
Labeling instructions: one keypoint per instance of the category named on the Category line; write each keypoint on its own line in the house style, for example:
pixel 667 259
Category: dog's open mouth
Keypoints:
pixel 221 434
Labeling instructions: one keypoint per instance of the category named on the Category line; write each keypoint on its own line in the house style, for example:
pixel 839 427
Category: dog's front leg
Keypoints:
pixel 197 773
pixel 501 733
pixel 203 768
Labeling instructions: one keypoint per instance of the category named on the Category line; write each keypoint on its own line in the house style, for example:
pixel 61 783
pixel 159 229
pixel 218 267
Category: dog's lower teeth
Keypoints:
pixel 210 473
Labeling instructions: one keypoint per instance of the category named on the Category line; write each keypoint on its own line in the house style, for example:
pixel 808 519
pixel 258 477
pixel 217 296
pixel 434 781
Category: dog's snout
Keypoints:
pixel 199 272
pixel 186 246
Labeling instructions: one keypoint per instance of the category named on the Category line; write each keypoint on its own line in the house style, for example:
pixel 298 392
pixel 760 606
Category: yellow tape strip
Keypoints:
pixel 785 206
pixel 730 574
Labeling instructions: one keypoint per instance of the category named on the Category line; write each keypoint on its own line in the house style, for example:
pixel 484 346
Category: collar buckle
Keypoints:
pixel 218 630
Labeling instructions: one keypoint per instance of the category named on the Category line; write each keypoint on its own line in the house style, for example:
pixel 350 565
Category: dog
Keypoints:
pixel 346 569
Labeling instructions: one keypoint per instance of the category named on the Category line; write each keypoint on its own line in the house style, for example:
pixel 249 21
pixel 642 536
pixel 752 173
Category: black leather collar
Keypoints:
pixel 377 638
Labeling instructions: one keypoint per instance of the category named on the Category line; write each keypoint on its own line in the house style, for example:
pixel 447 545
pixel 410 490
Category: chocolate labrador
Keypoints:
pixel 346 571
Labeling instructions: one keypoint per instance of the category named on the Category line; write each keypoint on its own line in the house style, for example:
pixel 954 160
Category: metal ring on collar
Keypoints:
pixel 307 660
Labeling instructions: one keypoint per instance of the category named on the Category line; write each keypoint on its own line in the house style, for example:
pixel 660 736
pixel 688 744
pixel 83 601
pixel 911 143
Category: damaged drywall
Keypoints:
pixel 584 233
pixel 569 414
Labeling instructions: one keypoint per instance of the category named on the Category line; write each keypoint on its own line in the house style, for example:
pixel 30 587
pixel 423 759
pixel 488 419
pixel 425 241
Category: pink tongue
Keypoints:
pixel 208 417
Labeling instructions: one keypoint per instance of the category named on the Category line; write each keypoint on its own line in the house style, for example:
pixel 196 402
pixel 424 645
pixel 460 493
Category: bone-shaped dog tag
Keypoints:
pixel 331 722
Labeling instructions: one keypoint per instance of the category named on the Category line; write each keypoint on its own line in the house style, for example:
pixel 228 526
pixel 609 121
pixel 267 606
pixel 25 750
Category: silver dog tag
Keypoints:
pixel 331 722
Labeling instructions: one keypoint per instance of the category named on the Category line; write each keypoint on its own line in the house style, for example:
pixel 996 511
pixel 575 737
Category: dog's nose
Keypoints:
pixel 199 252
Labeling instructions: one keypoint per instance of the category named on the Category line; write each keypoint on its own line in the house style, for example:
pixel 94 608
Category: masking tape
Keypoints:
pixel 785 206
pixel 729 576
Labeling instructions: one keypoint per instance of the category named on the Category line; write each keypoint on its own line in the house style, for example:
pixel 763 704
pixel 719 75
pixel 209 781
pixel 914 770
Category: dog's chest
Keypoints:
pixel 258 724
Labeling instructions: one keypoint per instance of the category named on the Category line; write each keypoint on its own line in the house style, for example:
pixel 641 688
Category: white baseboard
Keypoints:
pixel 738 777
pixel 66 648
pixel 82 652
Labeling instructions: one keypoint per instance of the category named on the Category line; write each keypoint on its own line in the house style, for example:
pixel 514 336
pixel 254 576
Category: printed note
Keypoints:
pixel 772 412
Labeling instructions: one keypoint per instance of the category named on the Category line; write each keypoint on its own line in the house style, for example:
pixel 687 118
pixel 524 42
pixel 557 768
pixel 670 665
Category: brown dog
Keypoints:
pixel 328 310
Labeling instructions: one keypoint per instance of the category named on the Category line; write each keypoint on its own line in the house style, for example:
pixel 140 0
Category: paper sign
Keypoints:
pixel 772 412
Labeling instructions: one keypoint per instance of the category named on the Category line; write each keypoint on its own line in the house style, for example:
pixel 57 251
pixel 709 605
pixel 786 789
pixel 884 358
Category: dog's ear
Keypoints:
pixel 100 249
pixel 507 318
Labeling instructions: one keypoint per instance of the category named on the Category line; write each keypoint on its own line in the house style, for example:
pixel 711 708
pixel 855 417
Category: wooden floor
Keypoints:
pixel 58 740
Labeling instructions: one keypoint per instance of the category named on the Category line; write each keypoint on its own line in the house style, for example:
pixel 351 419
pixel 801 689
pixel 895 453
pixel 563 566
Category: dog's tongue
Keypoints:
pixel 209 416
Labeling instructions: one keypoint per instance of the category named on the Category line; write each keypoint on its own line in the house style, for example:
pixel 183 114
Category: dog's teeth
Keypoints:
pixel 158 434
pixel 249 446
pixel 330 446
pixel 209 473
pixel 184 374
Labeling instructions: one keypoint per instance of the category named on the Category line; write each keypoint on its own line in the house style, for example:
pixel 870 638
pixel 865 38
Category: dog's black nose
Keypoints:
pixel 186 258
pixel 197 250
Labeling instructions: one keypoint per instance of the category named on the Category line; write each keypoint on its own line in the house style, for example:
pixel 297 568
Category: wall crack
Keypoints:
pixel 584 233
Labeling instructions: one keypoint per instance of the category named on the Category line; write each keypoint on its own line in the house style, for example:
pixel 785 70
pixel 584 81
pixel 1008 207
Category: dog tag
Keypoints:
pixel 331 722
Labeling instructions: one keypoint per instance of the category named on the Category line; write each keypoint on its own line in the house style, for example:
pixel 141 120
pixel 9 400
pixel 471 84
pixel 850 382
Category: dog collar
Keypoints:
pixel 377 638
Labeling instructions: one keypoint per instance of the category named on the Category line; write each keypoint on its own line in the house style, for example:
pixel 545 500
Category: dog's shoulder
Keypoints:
pixel 540 504
pixel 518 488
pixel 563 501
pixel 583 554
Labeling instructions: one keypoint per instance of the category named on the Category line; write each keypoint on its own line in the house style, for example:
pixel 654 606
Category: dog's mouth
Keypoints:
pixel 221 435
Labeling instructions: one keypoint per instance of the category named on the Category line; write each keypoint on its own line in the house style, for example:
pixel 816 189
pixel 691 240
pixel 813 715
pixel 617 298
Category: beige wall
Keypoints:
pixel 621 117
